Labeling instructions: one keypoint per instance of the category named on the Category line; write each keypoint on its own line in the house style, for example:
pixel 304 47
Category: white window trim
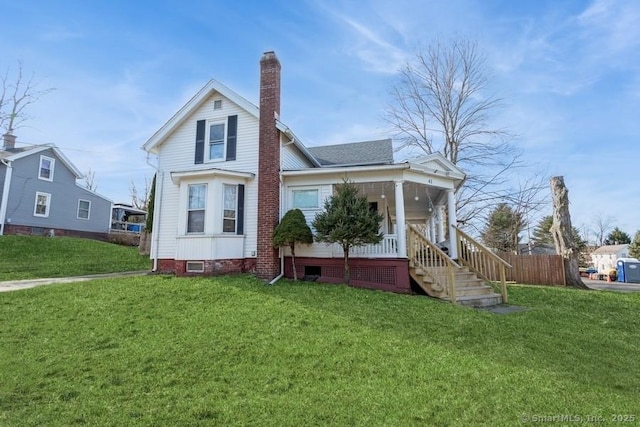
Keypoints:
pixel 53 164
pixel 48 205
pixel 235 208
pixel 204 226
pixel 305 188
pixel 208 141
pixel 199 264
pixel 88 210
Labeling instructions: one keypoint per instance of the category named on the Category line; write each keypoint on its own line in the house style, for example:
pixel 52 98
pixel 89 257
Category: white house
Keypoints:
pixel 228 171
pixel 604 258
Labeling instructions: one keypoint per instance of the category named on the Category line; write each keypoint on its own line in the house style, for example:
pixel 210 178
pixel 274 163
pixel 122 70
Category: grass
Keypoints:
pixel 31 257
pixel 159 350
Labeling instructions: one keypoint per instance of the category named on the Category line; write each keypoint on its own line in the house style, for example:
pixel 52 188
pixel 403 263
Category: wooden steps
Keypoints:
pixel 470 290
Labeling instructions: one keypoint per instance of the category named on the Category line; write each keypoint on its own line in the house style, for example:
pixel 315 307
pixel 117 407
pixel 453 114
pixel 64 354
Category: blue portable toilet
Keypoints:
pixel 628 270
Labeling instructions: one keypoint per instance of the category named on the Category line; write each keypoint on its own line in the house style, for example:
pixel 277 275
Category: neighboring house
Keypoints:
pixel 228 171
pixel 39 195
pixel 604 258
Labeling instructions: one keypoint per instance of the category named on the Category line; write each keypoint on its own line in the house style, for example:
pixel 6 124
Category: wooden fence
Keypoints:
pixel 535 269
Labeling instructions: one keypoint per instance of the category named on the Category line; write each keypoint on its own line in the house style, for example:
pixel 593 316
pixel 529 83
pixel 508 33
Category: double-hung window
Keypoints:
pixel 45 170
pixel 216 141
pixel 84 206
pixel 43 202
pixel 196 208
pixel 230 206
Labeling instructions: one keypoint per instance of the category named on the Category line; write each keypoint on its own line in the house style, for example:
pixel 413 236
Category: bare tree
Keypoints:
pixel 562 233
pixel 441 104
pixel 16 95
pixel 90 180
pixel 601 227
pixel 140 201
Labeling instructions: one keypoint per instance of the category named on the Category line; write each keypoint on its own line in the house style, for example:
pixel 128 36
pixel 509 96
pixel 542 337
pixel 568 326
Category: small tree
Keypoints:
pixel 348 220
pixel 292 229
pixel 617 237
pixel 634 247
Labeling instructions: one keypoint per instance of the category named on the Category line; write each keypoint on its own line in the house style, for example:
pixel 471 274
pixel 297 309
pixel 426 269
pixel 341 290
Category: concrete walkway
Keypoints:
pixel 14 285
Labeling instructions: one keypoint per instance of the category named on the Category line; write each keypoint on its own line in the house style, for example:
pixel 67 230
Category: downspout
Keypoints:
pixel 5 193
pixel 279 276
pixel 156 214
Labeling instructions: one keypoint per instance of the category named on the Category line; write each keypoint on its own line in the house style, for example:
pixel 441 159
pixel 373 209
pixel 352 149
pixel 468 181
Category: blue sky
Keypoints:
pixel 569 74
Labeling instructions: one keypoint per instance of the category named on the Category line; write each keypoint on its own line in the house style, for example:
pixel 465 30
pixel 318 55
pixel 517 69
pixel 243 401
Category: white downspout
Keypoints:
pixel 5 193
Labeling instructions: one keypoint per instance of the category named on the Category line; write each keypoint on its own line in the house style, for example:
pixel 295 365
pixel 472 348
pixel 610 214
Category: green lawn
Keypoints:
pixel 160 350
pixel 31 257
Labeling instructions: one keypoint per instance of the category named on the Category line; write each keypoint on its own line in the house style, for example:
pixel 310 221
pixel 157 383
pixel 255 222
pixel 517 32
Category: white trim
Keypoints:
pixel 176 177
pixel 193 270
pixel 39 148
pixel 48 205
pixel 52 167
pixel 207 138
pixel 293 189
pixel 204 209
pixel 235 208
pixel 88 210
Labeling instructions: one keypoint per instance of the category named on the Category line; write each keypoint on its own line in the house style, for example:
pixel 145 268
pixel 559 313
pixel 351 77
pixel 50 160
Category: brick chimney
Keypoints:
pixel 8 141
pixel 267 263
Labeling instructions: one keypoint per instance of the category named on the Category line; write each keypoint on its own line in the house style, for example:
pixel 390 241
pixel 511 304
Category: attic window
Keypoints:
pixel 217 104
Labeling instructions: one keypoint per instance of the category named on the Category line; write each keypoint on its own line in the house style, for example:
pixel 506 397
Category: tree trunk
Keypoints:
pixel 144 246
pixel 347 273
pixel 293 261
pixel 561 231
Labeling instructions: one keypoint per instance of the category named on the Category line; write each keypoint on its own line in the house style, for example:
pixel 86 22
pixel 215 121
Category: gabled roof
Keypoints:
pixel 610 249
pixel 439 164
pixel 378 152
pixel 203 94
pixel 18 153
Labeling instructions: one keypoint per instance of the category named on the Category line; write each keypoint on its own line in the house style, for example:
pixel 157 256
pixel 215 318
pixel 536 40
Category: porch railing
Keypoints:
pixel 387 248
pixel 434 263
pixel 482 261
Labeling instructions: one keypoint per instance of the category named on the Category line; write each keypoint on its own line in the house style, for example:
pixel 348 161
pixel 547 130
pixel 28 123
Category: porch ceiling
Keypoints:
pixel 420 200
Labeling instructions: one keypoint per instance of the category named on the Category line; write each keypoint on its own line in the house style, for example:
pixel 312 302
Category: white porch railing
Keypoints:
pixel 387 248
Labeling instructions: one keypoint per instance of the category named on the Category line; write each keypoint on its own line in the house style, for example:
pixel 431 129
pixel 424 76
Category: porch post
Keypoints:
pixel 400 220
pixel 439 224
pixel 453 220
pixel 432 228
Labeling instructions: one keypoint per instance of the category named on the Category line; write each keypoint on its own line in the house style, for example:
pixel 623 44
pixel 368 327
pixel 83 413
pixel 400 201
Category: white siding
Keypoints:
pixel 177 155
pixel 292 158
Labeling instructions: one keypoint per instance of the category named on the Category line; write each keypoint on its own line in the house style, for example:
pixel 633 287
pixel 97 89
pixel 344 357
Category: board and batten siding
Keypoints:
pixel 177 154
pixel 65 193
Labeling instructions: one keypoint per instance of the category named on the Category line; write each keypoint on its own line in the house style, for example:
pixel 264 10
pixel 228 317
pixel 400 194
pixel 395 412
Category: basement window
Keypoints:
pixel 195 266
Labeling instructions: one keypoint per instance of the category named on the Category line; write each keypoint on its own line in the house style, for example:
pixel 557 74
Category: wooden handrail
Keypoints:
pixel 435 264
pixel 482 261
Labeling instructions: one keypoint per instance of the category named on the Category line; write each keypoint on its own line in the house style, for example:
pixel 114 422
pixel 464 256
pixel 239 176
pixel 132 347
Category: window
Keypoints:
pixel 216 141
pixel 46 168
pixel 84 206
pixel 43 201
pixel 230 206
pixel 195 267
pixel 305 199
pixel 217 104
pixel 196 208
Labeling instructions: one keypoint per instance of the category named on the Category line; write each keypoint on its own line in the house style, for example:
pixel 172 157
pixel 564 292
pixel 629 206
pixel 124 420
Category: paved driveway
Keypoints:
pixel 603 285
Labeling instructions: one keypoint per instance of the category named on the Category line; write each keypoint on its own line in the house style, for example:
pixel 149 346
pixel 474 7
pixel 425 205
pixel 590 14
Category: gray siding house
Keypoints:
pixel 39 195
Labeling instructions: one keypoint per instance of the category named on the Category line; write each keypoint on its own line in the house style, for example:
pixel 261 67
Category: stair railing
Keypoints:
pixel 481 260
pixel 436 265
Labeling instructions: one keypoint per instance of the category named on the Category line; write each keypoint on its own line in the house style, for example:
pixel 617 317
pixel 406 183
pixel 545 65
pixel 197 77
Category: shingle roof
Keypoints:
pixel 610 249
pixel 355 153
pixel 6 153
